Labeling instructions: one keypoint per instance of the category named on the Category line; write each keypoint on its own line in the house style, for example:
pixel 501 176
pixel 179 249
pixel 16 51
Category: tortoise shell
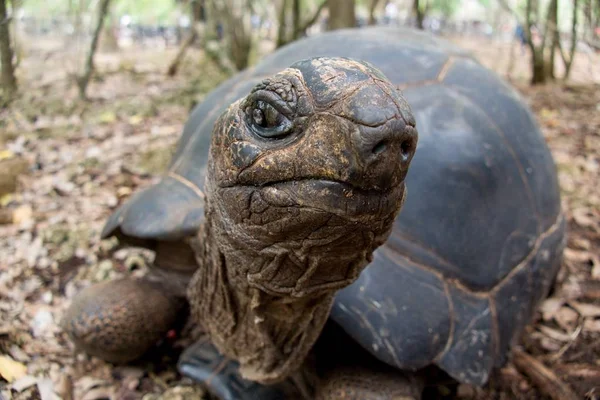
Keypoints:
pixel 479 240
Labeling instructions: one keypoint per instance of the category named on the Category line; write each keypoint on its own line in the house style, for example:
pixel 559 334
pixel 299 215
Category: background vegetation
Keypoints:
pixel 93 96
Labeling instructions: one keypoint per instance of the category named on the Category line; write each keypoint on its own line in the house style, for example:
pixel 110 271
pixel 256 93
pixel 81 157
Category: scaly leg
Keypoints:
pixel 120 320
pixel 204 364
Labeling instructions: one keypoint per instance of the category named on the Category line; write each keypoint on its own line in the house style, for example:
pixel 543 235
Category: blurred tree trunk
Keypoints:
pixel 9 82
pixel 539 43
pixel 196 12
pixel 283 36
pixel 311 21
pixel 591 11
pixel 296 17
pixel 234 18
pixel 341 14
pixel 554 35
pixel 16 6
pixel 77 16
pixel 419 13
pixel 372 8
pixel 109 37
pixel 538 64
pixel 568 60
pixel 281 24
pixel 84 80
pixel 187 43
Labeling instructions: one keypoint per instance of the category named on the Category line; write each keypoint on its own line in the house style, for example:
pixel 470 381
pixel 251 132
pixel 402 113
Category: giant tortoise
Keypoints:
pixel 278 224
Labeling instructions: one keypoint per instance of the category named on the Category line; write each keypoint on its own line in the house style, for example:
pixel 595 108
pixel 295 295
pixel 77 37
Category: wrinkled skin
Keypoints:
pixel 305 178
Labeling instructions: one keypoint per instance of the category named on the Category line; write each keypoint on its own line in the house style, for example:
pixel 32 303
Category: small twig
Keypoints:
pixel 544 378
pixel 572 339
pixel 589 347
pixel 174 66
pixel 310 22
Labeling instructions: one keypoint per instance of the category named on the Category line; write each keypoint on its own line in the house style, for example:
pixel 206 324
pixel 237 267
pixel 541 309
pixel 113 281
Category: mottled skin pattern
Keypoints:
pixel 305 179
pixel 119 320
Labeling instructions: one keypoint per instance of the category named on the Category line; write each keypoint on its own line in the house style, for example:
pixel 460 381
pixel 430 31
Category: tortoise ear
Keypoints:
pixel 167 211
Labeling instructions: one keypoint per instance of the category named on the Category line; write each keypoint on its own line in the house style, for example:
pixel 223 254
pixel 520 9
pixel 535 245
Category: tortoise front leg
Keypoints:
pixel 203 363
pixel 118 321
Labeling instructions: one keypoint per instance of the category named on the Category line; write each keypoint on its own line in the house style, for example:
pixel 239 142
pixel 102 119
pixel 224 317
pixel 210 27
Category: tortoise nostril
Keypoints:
pixel 380 147
pixel 406 148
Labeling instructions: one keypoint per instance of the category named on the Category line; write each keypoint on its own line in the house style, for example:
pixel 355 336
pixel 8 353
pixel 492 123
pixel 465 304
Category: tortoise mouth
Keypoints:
pixel 334 197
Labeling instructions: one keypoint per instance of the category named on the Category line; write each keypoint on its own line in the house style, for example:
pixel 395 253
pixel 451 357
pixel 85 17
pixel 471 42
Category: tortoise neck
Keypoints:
pixel 266 282
pixel 269 335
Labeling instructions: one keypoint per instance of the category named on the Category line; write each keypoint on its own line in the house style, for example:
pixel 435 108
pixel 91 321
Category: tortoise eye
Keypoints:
pixel 266 121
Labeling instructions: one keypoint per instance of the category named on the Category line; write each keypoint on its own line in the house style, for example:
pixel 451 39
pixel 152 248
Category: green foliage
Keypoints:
pixel 446 7
pixel 150 11
pixel 46 7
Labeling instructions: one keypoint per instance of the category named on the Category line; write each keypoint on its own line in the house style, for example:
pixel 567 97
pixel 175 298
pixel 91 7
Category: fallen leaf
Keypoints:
pixel 577 255
pixel 566 318
pixel 585 309
pixel 583 217
pixel 107 117
pixel 23 383
pixel 135 119
pixel 6 154
pixel 550 306
pixel 11 369
pixel 591 325
pixel 22 214
pixel 554 334
pixel 596 270
pixel 6 199
pixel 103 392
pixel 46 389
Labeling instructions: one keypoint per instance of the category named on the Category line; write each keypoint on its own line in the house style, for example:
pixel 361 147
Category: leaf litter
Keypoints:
pixel 84 159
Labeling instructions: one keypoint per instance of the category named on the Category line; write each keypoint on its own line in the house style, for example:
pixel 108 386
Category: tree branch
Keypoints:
pixel 313 19
pixel 511 10
pixel 83 81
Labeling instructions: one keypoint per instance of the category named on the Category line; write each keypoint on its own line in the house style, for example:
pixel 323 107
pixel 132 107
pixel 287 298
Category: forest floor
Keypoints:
pixel 77 161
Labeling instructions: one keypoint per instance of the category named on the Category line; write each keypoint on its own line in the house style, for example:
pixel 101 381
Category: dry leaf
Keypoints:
pixel 591 325
pixel 550 306
pixel 566 318
pixel 583 217
pixel 6 199
pixel 22 214
pixel 46 389
pixel 554 334
pixel 103 392
pixel 6 154
pixel 586 310
pixel 581 243
pixel 135 119
pixel 577 255
pixel 23 383
pixel 596 270
pixel 11 369
pixel 107 117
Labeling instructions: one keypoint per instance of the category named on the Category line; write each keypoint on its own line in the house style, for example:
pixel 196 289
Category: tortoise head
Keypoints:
pixel 308 170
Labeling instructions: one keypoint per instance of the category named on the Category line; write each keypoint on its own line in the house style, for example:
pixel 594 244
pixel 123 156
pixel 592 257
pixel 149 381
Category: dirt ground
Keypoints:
pixel 78 161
